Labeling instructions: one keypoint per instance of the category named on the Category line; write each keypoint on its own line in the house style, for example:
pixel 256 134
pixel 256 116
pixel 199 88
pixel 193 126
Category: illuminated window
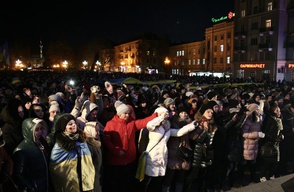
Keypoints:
pixel 194 61
pixel 240 73
pixel 198 61
pixel 148 52
pixel 189 62
pixel 221 48
pixel 183 52
pixel 268 23
pixel 270 6
pixel 203 61
pixel 228 60
pixel 243 13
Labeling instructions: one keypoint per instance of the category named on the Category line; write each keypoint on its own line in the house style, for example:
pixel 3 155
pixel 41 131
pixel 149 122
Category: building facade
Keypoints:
pixel 140 55
pixel 261 29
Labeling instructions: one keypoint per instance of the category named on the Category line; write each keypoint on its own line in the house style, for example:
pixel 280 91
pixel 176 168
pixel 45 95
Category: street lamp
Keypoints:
pixel 85 63
pixel 99 65
pixel 64 64
pixel 167 62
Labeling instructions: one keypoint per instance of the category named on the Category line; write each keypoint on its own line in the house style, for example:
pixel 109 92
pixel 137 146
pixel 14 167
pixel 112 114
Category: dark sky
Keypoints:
pixel 78 21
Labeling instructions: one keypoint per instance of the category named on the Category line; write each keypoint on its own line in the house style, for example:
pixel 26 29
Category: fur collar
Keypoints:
pixel 68 144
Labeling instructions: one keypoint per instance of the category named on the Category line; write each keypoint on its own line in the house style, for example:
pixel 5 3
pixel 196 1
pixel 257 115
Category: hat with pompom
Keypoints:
pixel 121 108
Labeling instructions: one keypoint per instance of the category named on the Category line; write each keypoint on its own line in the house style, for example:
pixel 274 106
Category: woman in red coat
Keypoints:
pixel 120 149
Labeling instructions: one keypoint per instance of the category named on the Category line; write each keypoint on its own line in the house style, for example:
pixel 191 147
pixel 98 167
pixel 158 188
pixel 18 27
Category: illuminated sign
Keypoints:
pixel 252 66
pixel 291 65
pixel 229 16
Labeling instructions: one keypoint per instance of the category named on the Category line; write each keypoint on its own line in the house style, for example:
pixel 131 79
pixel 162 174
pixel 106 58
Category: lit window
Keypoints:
pixel 194 61
pixel 221 48
pixel 243 13
pixel 148 52
pixel 270 6
pixel 183 52
pixel 198 61
pixel 268 23
pixel 203 61
pixel 228 60
pixel 189 62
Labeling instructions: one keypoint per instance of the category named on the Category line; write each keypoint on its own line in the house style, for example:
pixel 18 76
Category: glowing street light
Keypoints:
pixel 167 62
pixel 64 64
pixel 85 63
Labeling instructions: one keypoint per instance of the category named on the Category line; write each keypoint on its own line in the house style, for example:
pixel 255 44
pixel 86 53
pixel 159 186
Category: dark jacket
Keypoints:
pixel 31 161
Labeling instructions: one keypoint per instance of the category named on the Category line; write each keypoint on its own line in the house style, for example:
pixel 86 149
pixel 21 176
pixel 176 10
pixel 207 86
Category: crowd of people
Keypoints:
pixel 56 136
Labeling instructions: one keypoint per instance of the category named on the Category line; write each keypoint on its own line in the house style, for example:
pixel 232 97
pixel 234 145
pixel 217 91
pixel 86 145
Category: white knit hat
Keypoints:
pixel 53 97
pixel 90 128
pixel 54 108
pixel 160 110
pixel 121 108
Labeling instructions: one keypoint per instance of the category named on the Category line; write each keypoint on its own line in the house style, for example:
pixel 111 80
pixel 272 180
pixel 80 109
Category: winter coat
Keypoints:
pixel 202 144
pixel 71 165
pixel 250 131
pixel 12 131
pixel 120 135
pixel 159 134
pixel 30 167
pixel 6 165
pixel 95 149
pixel 273 130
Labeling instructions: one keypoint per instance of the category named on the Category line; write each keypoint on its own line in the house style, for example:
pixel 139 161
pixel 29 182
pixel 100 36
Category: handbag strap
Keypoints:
pixel 159 140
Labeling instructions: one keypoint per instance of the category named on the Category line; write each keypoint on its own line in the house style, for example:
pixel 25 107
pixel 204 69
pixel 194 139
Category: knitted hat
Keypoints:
pixel 63 120
pixel 206 106
pixel 53 97
pixel 211 94
pixel 160 110
pixel 121 108
pixel 90 128
pixel 189 93
pixel 54 108
pixel 233 103
pixel 15 81
pixel 252 107
pixel 168 101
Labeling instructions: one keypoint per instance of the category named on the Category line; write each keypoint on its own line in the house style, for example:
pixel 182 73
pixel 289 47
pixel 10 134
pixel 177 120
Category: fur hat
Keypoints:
pixel 168 101
pixel 121 108
pixel 206 106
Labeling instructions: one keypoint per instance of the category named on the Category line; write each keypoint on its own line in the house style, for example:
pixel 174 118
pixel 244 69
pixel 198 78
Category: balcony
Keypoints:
pixel 240 35
pixel 240 49
pixel 266 30
pixel 265 47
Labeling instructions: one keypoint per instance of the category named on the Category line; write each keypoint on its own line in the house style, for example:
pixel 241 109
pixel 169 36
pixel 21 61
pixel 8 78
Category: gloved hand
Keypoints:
pixel 80 100
pixel 95 89
pixel 261 135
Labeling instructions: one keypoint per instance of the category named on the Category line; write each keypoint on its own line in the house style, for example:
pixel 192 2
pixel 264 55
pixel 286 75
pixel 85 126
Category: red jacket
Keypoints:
pixel 120 135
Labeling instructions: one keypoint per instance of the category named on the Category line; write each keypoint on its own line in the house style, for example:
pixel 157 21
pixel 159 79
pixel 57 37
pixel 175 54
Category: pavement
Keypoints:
pixel 269 186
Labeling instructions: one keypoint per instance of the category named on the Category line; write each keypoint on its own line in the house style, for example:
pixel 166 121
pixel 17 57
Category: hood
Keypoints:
pixel 87 108
pixel 28 128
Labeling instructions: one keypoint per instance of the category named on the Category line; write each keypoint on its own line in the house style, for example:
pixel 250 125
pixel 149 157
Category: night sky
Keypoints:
pixel 79 21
